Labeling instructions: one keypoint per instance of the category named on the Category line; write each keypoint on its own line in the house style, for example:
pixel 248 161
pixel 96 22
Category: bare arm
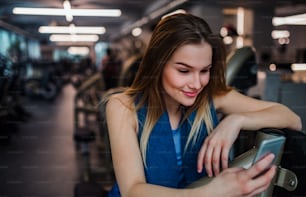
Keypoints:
pixel 256 114
pixel 129 167
pixel 242 113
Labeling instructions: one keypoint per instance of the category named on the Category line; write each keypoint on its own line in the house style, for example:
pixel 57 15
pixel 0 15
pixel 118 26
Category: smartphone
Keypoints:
pixel 273 145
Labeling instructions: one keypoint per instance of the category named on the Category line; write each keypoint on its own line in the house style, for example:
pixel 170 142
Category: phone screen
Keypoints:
pixel 273 145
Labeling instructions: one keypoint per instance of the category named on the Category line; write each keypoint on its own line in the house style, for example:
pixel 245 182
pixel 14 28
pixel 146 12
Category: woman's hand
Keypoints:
pixel 215 150
pixel 234 182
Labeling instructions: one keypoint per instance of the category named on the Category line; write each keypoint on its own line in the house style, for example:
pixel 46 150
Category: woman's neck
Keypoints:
pixel 174 117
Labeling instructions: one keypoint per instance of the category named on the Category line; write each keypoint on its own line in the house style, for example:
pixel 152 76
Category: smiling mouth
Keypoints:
pixel 190 94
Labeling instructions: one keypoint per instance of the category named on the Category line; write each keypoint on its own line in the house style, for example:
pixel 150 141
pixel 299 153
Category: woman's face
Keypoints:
pixel 186 74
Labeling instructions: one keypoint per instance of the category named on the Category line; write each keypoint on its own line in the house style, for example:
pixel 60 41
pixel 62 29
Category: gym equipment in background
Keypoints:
pixel 241 70
pixel 86 102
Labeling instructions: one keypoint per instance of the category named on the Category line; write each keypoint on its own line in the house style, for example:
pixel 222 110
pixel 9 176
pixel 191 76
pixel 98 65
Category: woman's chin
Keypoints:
pixel 188 103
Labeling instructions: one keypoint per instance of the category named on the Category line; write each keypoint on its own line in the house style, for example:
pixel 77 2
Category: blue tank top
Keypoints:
pixel 167 162
pixel 178 150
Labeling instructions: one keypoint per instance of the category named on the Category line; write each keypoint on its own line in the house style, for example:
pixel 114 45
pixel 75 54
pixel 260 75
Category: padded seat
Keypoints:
pixel 241 70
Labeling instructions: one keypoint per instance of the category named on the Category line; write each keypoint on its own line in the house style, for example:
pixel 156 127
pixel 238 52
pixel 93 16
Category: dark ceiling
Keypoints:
pixel 132 11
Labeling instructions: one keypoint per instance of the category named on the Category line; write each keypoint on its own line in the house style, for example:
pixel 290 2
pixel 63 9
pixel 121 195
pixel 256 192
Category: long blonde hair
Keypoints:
pixel 170 34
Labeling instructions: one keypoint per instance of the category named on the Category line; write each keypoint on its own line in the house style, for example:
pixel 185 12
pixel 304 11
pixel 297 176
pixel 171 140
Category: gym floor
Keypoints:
pixel 41 157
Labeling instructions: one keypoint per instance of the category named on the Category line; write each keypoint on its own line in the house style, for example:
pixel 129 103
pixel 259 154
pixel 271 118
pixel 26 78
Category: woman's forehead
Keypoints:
pixel 193 54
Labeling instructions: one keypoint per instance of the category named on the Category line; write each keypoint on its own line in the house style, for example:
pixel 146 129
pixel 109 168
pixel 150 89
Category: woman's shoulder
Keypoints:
pixel 113 96
pixel 120 108
pixel 120 100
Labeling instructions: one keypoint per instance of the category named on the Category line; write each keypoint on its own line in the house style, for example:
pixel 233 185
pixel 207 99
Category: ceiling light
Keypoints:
pixel 136 31
pixel 283 41
pixel 96 12
pixel 78 50
pixel 72 29
pixel 240 20
pixel 239 42
pixel 73 38
pixel 67 8
pixel 62 12
pixel 298 67
pixel 299 19
pixel 276 34
pixel 228 40
pixel 66 4
pixel 272 67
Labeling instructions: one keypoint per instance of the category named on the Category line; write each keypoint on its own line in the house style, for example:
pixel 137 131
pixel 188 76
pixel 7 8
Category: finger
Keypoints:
pixel 201 155
pixel 224 157
pixel 208 161
pixel 216 160
pixel 260 166
pixel 261 183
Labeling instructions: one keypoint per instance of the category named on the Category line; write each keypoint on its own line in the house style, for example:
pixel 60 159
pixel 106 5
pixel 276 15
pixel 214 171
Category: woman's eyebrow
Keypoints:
pixel 187 65
pixel 184 64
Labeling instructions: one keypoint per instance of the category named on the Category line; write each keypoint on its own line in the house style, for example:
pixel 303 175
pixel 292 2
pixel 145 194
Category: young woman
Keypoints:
pixel 164 131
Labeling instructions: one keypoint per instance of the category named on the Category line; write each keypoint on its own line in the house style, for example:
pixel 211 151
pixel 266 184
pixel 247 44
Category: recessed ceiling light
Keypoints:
pixel 299 19
pixel 78 50
pixel 73 38
pixel 62 12
pixel 72 29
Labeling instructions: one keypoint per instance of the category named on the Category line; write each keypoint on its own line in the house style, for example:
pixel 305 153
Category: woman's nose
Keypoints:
pixel 195 82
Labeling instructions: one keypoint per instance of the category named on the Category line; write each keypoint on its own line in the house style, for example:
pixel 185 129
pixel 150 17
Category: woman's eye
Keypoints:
pixel 205 70
pixel 183 71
